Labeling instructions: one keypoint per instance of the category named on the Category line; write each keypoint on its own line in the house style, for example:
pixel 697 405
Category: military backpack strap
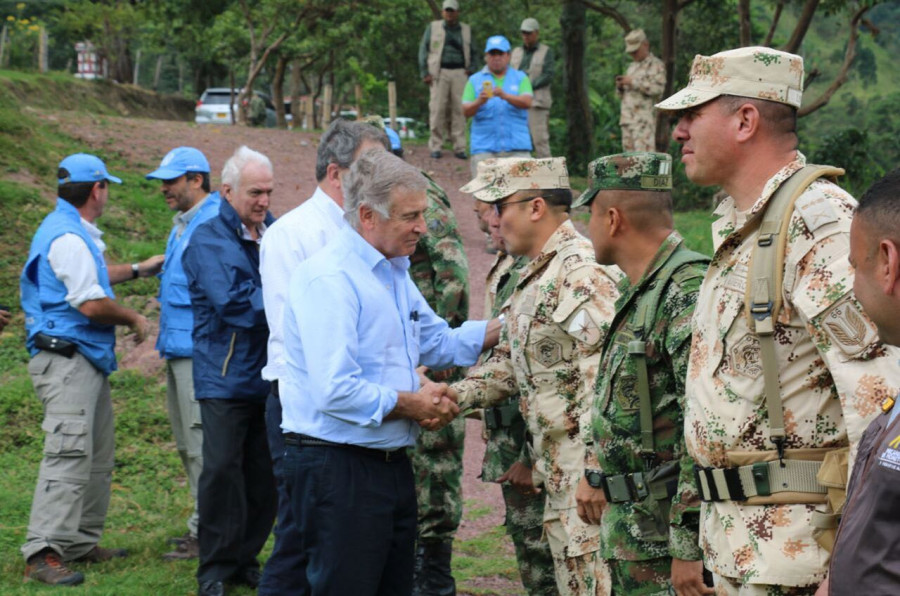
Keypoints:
pixel 648 304
pixel 764 285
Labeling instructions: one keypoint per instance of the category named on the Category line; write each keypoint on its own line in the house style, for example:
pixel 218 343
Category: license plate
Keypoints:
pixel 221 116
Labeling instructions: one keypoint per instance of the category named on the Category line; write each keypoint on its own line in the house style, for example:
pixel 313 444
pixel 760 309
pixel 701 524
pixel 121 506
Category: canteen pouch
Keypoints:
pixel 652 512
pixel 833 476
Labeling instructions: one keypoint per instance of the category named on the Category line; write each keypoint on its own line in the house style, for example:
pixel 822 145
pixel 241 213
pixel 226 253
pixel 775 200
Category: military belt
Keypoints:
pixel 500 416
pixel 624 488
pixel 760 479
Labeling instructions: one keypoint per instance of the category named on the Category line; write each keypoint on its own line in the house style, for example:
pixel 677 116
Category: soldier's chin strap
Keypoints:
pixel 763 297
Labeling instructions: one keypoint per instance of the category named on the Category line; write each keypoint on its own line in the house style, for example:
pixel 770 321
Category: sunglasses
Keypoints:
pixel 498 207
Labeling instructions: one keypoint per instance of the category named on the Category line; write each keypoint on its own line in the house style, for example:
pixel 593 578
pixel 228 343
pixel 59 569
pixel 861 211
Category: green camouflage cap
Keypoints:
pixel 637 170
pixel 757 72
pixel 374 120
pixel 500 177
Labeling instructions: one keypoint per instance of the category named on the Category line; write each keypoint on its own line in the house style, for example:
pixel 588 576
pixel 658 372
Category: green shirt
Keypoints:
pixel 469 94
pixel 452 55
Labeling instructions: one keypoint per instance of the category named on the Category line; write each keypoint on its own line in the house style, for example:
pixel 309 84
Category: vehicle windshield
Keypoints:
pixel 217 98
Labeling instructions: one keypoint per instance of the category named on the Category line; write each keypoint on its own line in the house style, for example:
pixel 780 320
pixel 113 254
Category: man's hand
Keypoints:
pixel 5 318
pixel 428 79
pixel 152 266
pixel 687 578
pixel 437 409
pixel 519 476
pixel 823 588
pixel 590 501
pixel 141 327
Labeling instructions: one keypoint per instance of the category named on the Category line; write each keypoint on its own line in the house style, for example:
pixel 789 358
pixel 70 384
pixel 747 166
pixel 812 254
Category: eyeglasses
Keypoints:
pixel 498 207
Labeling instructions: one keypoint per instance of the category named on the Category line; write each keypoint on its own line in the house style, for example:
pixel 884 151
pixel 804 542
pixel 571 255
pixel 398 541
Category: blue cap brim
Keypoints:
pixel 113 179
pixel 165 174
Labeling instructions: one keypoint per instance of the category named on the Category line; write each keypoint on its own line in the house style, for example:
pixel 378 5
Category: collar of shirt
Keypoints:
pixel 261 229
pixel 565 231
pixel 328 206
pixel 95 233
pixel 665 250
pixel 369 254
pixel 182 220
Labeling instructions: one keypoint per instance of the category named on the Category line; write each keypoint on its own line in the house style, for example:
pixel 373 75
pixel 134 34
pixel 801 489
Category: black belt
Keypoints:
pixel 386 455
pixel 275 389
pixel 454 67
pixel 55 344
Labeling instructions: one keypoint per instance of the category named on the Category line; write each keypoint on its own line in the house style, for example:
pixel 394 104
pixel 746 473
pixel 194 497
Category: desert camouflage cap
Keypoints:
pixel 637 170
pixel 634 39
pixel 497 178
pixel 757 72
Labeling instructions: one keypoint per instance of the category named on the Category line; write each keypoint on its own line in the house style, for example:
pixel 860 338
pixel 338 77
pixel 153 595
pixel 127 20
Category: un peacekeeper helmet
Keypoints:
pixel 635 170
pixel 500 177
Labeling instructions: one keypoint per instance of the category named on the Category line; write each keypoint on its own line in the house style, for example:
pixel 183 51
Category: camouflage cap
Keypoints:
pixel 498 178
pixel 637 170
pixel 374 120
pixel 634 39
pixel 757 72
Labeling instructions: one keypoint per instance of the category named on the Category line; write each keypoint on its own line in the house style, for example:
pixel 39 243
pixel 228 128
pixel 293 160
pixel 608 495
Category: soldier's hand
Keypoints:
pixel 141 327
pixel 590 502
pixel 687 578
pixel 519 476
pixel 428 79
pixel 443 413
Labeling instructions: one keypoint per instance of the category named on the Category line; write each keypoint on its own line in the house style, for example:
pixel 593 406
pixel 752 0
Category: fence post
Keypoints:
pixel 137 68
pixel 42 51
pixel 326 105
pixel 392 103
pixel 3 42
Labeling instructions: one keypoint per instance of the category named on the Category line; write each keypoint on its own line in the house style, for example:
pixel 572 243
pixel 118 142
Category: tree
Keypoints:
pixel 579 120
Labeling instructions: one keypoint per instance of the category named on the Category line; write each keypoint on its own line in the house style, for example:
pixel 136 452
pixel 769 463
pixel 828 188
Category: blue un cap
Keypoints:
pixel 82 167
pixel 497 42
pixel 178 162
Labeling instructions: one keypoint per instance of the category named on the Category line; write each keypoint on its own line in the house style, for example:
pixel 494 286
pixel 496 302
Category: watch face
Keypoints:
pixel 594 478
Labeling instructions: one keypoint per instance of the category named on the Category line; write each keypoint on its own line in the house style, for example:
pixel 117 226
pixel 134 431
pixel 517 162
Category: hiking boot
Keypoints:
pixel 435 155
pixel 248 576
pixel 98 554
pixel 47 567
pixel 211 588
pixel 186 549
pixel 460 155
pixel 434 577
pixel 176 540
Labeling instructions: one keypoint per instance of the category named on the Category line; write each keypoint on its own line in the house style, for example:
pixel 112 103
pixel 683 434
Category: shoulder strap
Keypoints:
pixel 647 305
pixel 764 285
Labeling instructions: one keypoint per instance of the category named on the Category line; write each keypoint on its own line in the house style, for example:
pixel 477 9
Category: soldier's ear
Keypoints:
pixel 614 218
pixel 889 266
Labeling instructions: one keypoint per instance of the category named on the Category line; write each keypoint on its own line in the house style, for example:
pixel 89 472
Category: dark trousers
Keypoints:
pixel 285 570
pixel 357 519
pixel 236 496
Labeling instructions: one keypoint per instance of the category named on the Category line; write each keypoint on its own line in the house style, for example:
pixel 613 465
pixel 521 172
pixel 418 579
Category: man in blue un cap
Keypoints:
pixel 184 182
pixel 70 319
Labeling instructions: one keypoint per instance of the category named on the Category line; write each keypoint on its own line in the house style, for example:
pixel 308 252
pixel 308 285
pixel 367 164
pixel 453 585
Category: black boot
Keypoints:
pixel 433 576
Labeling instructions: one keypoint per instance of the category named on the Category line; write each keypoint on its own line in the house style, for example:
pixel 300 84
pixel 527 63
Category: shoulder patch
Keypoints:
pixel 848 328
pixel 816 210
pixel 437 227
pixel 584 328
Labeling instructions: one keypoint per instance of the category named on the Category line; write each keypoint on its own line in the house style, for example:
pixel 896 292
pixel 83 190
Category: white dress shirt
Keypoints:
pixel 72 262
pixel 293 238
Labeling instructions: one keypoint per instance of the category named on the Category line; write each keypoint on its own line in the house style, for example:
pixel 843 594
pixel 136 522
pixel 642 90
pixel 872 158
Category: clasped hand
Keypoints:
pixel 438 403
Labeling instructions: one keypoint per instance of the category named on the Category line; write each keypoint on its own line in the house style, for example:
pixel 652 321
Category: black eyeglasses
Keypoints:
pixel 498 207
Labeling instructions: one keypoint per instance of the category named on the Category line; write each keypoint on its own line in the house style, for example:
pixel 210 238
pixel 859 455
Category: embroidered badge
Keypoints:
pixel 848 327
pixel 583 328
pixel 547 351
pixel 745 359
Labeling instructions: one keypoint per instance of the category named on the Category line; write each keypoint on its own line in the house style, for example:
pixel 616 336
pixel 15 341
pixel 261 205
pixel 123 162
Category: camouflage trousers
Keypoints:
pixel 641 578
pixel 726 586
pixel 437 464
pixel 580 571
pixel 524 512
pixel 639 135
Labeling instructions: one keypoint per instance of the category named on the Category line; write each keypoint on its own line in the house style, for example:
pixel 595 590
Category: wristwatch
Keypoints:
pixel 135 271
pixel 594 478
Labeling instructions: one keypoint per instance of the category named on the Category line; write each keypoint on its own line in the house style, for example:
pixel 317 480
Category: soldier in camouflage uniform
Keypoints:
pixel 638 88
pixel 737 127
pixel 558 315
pixel 440 270
pixel 648 540
pixel 505 444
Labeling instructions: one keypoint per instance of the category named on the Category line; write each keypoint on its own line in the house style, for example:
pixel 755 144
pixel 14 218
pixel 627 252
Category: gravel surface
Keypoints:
pixel 143 143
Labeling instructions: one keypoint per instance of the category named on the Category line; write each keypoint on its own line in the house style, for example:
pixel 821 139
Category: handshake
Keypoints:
pixel 433 406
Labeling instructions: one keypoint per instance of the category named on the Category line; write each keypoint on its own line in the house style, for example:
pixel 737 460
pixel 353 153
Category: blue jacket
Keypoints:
pixel 176 322
pixel 230 330
pixel 44 295
pixel 498 125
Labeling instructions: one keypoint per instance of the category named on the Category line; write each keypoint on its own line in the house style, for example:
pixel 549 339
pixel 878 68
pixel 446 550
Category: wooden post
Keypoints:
pixel 326 105
pixel 137 68
pixel 310 121
pixel 357 90
pixel 42 50
pixel 296 108
pixel 392 103
pixel 180 76
pixel 3 42
pixel 159 61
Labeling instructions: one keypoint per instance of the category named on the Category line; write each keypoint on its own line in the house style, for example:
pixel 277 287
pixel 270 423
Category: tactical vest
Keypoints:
pixel 499 126
pixel 542 97
pixel 436 47
pixel 176 321
pixel 44 295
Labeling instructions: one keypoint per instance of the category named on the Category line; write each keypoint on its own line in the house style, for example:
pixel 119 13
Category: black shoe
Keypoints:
pixel 435 578
pixel 248 576
pixel 211 588
pixel 435 155
pixel 178 540
pixel 461 155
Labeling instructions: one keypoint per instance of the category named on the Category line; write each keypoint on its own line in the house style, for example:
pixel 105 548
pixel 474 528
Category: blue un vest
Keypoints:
pixel 44 295
pixel 498 126
pixel 176 322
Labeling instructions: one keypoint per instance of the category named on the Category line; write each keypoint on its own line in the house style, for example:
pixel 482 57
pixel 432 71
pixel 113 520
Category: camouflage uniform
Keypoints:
pixel 440 270
pixel 637 118
pixel 833 377
pixel 559 313
pixel 505 446
pixel 629 538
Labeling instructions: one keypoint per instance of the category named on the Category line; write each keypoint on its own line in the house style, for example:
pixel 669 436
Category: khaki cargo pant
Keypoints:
pixel 576 556
pixel 539 126
pixel 445 110
pixel 184 414
pixel 639 136
pixel 73 487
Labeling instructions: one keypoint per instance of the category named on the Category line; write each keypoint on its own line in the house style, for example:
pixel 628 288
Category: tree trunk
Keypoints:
pixel 667 52
pixel 157 72
pixel 744 23
pixel 278 91
pixel 579 120
pixel 296 108
pixel 806 17
pixel 137 69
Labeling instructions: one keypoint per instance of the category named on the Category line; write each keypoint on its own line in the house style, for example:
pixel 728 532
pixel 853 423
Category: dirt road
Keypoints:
pixel 144 142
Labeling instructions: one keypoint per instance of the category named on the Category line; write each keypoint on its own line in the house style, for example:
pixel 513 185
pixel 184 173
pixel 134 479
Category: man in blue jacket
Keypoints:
pixel 70 319
pixel 184 177
pixel 236 496
pixel 497 98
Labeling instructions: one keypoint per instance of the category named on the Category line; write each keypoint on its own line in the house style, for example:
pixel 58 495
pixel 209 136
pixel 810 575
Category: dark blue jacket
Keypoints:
pixel 230 330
